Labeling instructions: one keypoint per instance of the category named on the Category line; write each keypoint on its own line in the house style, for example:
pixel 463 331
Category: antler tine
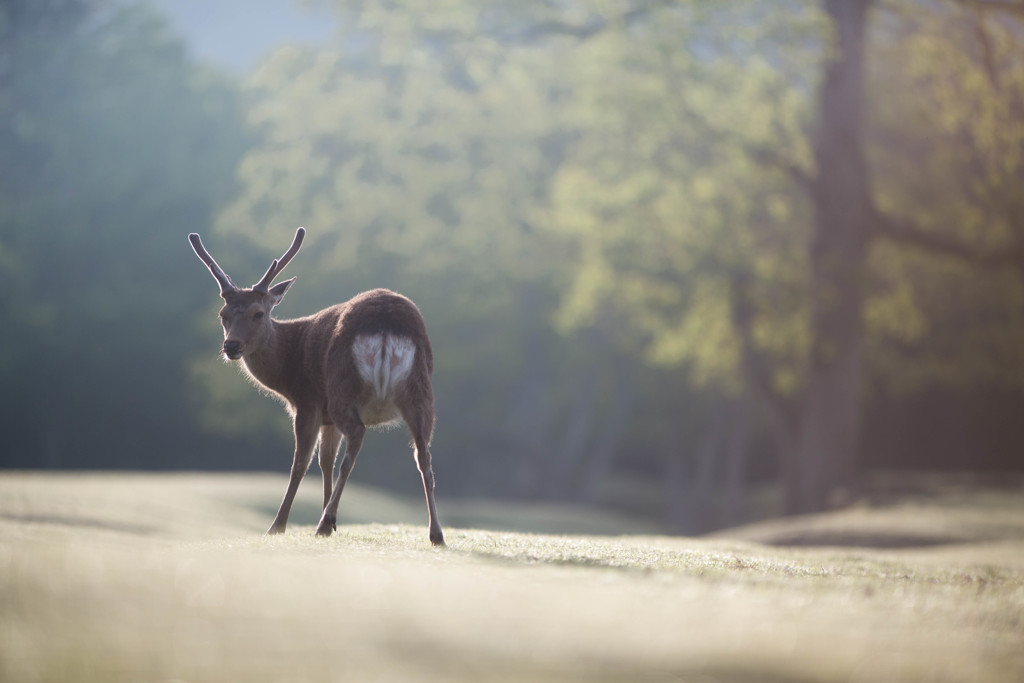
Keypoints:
pixel 226 285
pixel 278 265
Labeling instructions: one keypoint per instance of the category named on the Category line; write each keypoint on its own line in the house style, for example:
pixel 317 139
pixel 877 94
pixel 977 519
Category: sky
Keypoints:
pixel 238 34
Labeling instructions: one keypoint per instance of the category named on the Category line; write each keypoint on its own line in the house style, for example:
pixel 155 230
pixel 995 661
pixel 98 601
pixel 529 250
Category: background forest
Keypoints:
pixel 700 261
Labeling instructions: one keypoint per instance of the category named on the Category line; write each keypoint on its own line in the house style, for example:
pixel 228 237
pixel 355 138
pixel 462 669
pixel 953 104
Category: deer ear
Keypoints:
pixel 278 291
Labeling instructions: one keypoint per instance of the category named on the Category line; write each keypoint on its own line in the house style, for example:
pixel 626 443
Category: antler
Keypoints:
pixel 278 265
pixel 226 285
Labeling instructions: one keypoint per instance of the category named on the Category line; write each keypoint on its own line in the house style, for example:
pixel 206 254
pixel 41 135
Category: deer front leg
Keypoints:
pixel 330 439
pixel 305 425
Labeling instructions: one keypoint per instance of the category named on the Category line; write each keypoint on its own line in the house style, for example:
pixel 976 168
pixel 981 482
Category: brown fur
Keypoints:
pixel 309 363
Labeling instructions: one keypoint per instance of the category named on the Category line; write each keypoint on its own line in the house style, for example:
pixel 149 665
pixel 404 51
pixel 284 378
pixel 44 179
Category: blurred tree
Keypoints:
pixel 690 229
pixel 947 280
pixel 704 164
pixel 949 47
pixel 794 192
pixel 643 233
pixel 828 432
pixel 114 145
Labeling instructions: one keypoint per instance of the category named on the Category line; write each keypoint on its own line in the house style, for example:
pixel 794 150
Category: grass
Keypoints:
pixel 124 577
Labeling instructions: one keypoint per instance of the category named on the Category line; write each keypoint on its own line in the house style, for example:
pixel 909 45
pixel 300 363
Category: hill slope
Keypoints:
pixel 107 577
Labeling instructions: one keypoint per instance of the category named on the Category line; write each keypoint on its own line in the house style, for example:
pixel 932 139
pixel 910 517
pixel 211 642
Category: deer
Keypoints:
pixel 363 363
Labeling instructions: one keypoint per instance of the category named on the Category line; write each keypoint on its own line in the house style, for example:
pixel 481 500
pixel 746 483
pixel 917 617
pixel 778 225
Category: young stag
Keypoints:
pixel 362 363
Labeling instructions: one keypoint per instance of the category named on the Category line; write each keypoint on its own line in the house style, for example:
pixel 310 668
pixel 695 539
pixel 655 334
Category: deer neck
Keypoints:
pixel 266 363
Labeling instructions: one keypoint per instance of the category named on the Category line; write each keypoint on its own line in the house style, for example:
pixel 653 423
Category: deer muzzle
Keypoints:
pixel 233 349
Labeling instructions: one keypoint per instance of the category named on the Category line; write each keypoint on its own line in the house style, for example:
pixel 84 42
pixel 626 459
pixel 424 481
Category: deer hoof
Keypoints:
pixel 437 538
pixel 274 530
pixel 326 528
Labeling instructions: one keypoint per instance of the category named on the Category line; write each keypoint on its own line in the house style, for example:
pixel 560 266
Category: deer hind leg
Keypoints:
pixel 421 423
pixel 305 440
pixel 330 439
pixel 351 426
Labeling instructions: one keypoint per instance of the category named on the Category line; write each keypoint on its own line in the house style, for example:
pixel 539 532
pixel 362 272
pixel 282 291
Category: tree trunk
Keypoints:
pixel 570 454
pixel 602 453
pixel 527 427
pixel 737 454
pixel 692 490
pixel 827 438
pixel 759 389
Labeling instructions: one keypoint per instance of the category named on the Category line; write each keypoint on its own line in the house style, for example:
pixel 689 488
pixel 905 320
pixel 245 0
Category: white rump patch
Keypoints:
pixel 383 361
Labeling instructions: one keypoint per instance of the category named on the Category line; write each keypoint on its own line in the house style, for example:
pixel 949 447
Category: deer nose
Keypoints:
pixel 233 349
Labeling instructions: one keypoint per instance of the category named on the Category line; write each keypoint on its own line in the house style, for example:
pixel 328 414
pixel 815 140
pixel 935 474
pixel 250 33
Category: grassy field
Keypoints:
pixel 166 577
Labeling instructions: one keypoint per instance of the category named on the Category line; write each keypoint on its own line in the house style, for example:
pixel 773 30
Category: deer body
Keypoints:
pixel 358 364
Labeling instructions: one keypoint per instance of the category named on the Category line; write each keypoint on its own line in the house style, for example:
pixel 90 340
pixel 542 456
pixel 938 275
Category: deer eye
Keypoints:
pixel 258 315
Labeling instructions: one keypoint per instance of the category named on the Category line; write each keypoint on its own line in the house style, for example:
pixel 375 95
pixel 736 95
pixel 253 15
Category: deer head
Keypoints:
pixel 245 315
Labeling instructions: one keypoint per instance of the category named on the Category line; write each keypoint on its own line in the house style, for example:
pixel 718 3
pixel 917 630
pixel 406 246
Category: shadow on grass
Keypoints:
pixel 527 559
pixel 454 665
pixel 862 539
pixel 523 557
pixel 81 522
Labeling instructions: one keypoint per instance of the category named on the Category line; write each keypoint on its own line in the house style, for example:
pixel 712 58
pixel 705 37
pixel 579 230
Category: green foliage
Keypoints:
pixel 680 184
pixel 949 154
pixel 384 157
pixel 662 197
pixel 114 146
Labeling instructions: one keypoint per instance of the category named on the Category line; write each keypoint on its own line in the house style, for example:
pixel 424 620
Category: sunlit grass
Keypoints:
pixel 168 577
